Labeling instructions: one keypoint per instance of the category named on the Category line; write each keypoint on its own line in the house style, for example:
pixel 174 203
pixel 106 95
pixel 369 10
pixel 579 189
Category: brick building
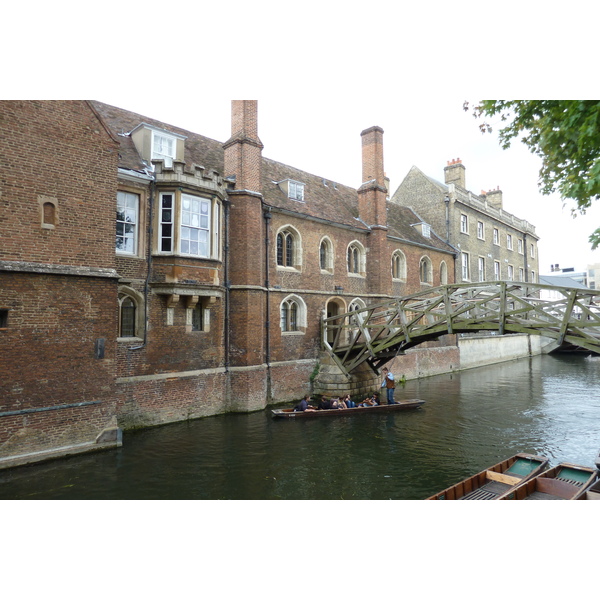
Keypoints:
pixel 209 297
pixel 491 243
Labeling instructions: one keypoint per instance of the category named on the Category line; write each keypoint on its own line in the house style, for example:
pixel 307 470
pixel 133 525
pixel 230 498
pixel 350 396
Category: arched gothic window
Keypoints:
pixel 443 273
pixel 399 265
pixel 356 259
pixel 425 270
pixel 127 317
pixel 326 255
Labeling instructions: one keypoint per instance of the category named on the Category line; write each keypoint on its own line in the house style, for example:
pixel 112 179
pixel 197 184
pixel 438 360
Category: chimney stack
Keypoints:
pixel 494 198
pixel 455 173
pixel 372 156
pixel 243 150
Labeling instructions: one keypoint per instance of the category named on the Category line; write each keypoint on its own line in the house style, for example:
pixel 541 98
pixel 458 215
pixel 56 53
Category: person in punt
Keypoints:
pixel 324 404
pixel 304 405
pixel 349 403
pixel 368 401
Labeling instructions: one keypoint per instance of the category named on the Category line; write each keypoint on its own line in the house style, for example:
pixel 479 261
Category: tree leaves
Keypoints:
pixel 565 134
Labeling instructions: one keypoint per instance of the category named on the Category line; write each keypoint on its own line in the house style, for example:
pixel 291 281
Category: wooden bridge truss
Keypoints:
pixel 378 333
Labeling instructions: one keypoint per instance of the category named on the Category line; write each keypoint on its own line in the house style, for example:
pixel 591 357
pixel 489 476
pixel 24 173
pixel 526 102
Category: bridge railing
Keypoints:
pixel 378 332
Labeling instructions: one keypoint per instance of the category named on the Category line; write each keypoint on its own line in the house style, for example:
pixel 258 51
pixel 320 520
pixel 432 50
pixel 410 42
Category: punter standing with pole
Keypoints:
pixel 388 383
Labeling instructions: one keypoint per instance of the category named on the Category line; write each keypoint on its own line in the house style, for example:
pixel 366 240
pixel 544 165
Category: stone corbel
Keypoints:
pixel 191 301
pixel 172 300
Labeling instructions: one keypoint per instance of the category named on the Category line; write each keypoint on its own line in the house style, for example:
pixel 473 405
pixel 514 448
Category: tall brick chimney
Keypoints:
pixel 372 156
pixel 494 198
pixel 454 172
pixel 372 194
pixel 243 150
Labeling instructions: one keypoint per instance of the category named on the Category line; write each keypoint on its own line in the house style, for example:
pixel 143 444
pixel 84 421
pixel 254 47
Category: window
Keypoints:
pixel 49 213
pixel 163 148
pixel 520 246
pixel 3 318
pixel 465 266
pixel 480 230
pixel 443 273
pixel 326 255
pixel 198 317
pixel 296 190
pixel 399 265
pixel 356 259
pixel 288 248
pixel 481 268
pixel 511 273
pixel 195 226
pixel 127 317
pixel 127 222
pixel 188 225
pixel 496 270
pixel 293 315
pixel 533 277
pixel 425 270
pixel 426 230
pixel 509 241
pixel 521 274
pixel 464 224
pixel 532 251
pixel 496 237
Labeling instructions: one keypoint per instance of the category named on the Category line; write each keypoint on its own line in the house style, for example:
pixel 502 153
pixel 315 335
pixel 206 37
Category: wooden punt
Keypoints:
pixel 496 480
pixel 590 493
pixel 289 413
pixel 563 482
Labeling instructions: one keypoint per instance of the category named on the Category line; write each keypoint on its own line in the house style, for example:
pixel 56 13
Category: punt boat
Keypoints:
pixel 590 493
pixel 496 480
pixel 290 413
pixel 563 482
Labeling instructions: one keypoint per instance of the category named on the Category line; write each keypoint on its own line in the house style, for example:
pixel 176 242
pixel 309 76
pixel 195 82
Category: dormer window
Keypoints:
pixel 296 190
pixel 163 148
pixel 153 143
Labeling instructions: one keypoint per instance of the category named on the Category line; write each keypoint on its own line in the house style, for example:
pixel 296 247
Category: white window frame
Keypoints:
pixel 496 237
pixel 357 247
pixel 296 190
pixel 164 147
pixel 497 270
pixel 464 223
pixel 520 245
pixel 426 270
pixel 509 244
pixel 464 264
pixel 189 213
pixel 130 202
pixel 481 268
pixel 511 273
pixel 480 230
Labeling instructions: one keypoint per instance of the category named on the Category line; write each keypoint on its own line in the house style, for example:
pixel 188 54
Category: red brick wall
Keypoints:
pixel 59 151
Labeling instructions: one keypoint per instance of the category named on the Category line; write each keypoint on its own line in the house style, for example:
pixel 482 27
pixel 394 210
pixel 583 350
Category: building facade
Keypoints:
pixel 491 244
pixel 149 274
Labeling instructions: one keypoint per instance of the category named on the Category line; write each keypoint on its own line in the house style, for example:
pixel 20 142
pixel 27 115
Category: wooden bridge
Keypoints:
pixel 376 334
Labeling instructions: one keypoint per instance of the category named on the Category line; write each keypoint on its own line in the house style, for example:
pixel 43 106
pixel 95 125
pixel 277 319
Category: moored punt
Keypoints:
pixel 590 493
pixel 563 482
pixel 496 480
pixel 290 413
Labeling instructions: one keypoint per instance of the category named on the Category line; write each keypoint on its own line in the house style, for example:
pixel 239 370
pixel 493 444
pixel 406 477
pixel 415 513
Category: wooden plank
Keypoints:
pixel 502 478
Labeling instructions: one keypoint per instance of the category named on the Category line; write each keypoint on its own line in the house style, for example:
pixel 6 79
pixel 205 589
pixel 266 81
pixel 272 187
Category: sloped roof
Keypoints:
pixel 324 198
pixel 561 281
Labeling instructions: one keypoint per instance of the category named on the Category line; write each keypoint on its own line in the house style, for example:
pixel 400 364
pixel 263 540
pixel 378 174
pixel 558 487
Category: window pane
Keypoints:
pixel 127 318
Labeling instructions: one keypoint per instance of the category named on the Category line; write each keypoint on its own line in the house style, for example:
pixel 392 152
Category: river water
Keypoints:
pixel 548 405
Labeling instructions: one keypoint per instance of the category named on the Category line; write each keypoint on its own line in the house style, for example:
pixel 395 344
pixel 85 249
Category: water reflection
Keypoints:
pixel 544 405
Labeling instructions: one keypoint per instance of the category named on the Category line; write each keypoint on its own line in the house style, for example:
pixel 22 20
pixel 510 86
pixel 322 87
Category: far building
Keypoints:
pixel 491 243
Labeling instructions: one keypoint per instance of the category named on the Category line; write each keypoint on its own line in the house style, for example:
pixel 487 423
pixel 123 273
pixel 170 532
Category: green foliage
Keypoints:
pixel 565 134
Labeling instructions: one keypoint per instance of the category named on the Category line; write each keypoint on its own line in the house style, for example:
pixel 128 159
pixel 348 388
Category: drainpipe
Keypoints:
pixel 267 217
pixel 148 264
pixel 227 282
